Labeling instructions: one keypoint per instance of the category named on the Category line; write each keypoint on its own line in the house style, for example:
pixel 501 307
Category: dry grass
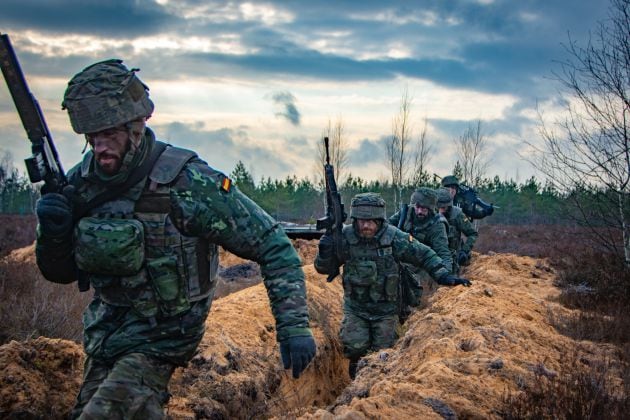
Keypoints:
pixel 16 232
pixel 585 391
pixel 595 284
pixel 33 307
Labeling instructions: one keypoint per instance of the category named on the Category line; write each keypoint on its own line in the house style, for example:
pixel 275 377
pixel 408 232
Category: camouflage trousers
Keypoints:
pixel 134 386
pixel 360 335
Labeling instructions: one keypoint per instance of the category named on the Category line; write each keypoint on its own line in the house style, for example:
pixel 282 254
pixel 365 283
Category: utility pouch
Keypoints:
pixel 109 246
pixel 411 288
pixel 391 287
pixel 167 285
pixel 361 276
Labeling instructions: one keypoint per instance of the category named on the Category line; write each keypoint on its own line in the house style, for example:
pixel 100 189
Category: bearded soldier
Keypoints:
pixel 372 252
pixel 141 224
pixel 425 224
pixel 458 224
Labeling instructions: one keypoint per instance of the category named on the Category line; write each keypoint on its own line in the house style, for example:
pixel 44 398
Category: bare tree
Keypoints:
pixel 472 153
pixel 398 145
pixel 338 148
pixel 424 150
pixel 588 149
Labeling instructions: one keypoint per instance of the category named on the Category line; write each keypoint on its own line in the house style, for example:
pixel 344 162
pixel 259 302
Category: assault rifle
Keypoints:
pixel 335 214
pixel 44 164
pixel 474 207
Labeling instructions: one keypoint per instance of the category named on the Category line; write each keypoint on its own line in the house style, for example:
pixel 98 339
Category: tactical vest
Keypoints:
pixel 419 232
pixel 133 255
pixel 370 273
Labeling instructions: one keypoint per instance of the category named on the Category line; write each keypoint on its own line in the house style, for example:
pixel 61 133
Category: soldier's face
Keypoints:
pixel 367 227
pixel 452 190
pixel 109 147
pixel 421 211
pixel 442 210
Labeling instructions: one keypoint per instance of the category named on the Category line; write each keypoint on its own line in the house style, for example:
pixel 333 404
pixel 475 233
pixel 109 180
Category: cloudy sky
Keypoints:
pixel 259 81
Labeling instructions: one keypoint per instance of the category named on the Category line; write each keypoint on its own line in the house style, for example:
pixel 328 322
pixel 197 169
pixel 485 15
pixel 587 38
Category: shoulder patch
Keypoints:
pixel 226 184
pixel 410 238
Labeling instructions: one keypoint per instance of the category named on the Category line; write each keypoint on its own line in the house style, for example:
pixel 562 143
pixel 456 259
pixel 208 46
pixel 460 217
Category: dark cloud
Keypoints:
pixel 369 151
pixel 111 18
pixel 289 111
pixel 501 47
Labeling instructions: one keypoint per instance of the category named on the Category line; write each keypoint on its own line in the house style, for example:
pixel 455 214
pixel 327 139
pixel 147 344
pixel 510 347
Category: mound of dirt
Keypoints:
pixel 456 357
pixel 470 346
pixel 237 372
pixel 39 378
pixel 236 273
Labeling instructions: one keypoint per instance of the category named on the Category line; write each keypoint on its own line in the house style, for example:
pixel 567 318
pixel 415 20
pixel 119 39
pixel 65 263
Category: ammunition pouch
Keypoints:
pixel 111 247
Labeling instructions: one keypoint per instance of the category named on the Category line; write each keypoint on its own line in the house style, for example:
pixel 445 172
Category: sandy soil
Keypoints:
pixel 456 358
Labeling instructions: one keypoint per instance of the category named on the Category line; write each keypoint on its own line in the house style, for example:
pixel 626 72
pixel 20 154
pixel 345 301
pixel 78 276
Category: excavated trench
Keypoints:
pixel 457 357
pixel 237 372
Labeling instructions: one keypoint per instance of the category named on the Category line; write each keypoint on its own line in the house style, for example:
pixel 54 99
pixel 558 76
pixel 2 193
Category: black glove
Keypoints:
pixel 326 248
pixel 451 280
pixel 297 352
pixel 463 257
pixel 54 215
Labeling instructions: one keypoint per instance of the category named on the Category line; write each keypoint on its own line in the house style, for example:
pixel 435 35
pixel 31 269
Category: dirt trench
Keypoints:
pixel 456 358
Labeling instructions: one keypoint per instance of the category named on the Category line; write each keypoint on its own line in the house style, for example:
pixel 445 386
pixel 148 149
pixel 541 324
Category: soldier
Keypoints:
pixel 141 226
pixel 372 252
pixel 451 183
pixel 464 252
pixel 425 225
pixel 458 224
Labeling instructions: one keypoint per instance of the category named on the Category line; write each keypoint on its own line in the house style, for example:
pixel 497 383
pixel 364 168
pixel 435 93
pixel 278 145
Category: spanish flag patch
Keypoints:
pixel 226 184
pixel 410 238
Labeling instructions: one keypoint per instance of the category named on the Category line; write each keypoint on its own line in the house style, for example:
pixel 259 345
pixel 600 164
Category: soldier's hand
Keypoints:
pixel 297 352
pixel 54 215
pixel 463 257
pixel 451 280
pixel 326 248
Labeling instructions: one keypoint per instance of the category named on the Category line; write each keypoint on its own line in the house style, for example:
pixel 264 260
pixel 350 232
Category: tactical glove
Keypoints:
pixel 326 248
pixel 463 257
pixel 297 352
pixel 54 216
pixel 451 280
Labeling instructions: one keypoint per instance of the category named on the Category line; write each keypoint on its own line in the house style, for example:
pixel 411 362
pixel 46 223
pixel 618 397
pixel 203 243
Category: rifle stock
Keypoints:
pixel 335 214
pixel 44 164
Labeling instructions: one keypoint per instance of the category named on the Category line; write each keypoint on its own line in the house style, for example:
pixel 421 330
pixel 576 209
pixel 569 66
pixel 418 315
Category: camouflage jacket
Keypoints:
pixel 185 210
pixel 372 266
pixel 430 232
pixel 458 225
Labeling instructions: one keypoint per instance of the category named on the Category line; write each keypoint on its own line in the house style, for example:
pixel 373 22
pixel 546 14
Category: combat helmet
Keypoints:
pixel 424 196
pixel 105 95
pixel 450 181
pixel 367 206
pixel 444 198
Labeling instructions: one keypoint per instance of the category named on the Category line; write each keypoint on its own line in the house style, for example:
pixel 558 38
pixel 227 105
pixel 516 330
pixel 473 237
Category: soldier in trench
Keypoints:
pixel 372 252
pixel 140 223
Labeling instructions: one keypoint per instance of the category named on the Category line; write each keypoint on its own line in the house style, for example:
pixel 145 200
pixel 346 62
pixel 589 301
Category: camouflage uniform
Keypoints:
pixel 371 277
pixel 458 224
pixel 432 231
pixel 151 256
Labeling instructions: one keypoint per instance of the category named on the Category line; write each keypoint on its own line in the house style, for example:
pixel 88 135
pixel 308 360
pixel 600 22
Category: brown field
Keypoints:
pixel 514 345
